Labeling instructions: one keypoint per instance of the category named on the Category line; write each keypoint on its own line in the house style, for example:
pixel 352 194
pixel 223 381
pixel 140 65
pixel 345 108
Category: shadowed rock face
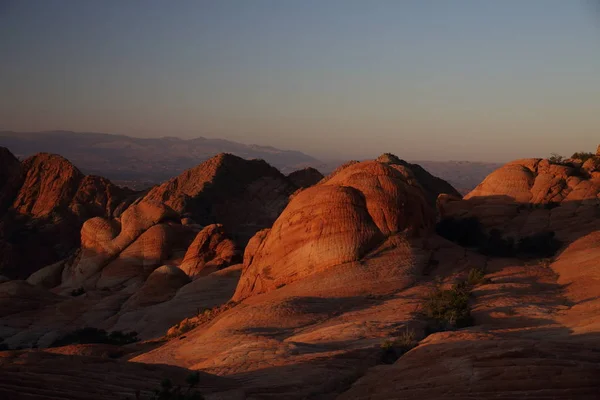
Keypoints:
pixel 52 200
pixel 529 196
pixel 10 178
pixel 306 177
pixel 95 378
pixel 242 195
pixel 334 222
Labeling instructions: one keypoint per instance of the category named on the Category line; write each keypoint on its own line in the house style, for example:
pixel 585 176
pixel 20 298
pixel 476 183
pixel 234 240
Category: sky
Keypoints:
pixel 479 80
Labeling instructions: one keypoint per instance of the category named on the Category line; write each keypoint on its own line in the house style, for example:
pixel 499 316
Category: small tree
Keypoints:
pixel 556 158
pixel 583 156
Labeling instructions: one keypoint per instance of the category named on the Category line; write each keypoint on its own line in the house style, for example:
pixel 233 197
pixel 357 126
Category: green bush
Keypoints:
pixel 583 156
pixel 449 309
pixel 90 335
pixel 556 158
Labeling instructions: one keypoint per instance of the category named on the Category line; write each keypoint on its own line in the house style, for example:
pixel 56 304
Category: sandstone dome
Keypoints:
pixel 336 221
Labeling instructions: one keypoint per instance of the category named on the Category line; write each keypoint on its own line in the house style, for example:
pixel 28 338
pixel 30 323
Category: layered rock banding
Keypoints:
pixel 334 222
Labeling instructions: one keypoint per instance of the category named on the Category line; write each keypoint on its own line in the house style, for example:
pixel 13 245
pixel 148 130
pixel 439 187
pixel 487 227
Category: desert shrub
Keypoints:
pixel 89 335
pixel 476 277
pixel 583 156
pixel 77 292
pixel 449 309
pixel 394 349
pixel 190 323
pixel 556 158
pixel 543 244
pixel 168 391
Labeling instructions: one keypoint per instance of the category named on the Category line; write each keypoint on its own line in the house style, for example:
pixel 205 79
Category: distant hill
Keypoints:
pixel 140 162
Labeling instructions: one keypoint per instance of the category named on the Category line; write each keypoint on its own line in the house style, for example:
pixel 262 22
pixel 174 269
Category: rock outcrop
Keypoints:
pixel 113 251
pixel 51 202
pixel 529 196
pixel 306 177
pixel 337 221
pixel 50 184
pixel 162 284
pixel 242 195
pixel 211 250
pixel 10 178
pixel 432 185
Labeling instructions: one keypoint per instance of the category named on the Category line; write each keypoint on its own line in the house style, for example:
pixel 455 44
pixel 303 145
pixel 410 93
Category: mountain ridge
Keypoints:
pixel 144 162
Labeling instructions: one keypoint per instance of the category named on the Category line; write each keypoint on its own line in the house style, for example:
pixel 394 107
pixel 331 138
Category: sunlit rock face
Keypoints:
pixel 530 196
pixel 336 221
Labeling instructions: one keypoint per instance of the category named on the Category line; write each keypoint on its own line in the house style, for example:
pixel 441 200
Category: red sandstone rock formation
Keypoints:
pixel 306 177
pixel 211 250
pixel 337 221
pixel 242 195
pixel 528 196
pixel 52 200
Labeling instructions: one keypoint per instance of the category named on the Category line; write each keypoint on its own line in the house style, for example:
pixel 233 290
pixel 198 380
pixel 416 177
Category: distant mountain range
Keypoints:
pixel 143 162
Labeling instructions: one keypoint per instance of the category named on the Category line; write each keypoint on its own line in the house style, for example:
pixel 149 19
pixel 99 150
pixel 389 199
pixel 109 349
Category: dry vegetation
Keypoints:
pixel 200 318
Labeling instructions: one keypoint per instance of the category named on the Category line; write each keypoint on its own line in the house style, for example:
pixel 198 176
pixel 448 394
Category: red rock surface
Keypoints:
pixel 52 201
pixel 306 177
pixel 242 195
pixel 528 196
pixel 210 251
pixel 335 222
pixel 40 375
pixel 432 185
pixel 347 265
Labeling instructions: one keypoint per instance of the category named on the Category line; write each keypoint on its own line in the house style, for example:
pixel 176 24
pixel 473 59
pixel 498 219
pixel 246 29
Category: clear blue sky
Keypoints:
pixel 425 79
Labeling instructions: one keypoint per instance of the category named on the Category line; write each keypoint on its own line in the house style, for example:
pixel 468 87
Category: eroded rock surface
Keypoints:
pixel 529 196
pixel 242 195
pixel 306 177
pixel 211 250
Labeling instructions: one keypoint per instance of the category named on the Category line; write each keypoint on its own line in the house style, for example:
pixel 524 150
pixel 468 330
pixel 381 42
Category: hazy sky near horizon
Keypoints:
pixel 484 80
